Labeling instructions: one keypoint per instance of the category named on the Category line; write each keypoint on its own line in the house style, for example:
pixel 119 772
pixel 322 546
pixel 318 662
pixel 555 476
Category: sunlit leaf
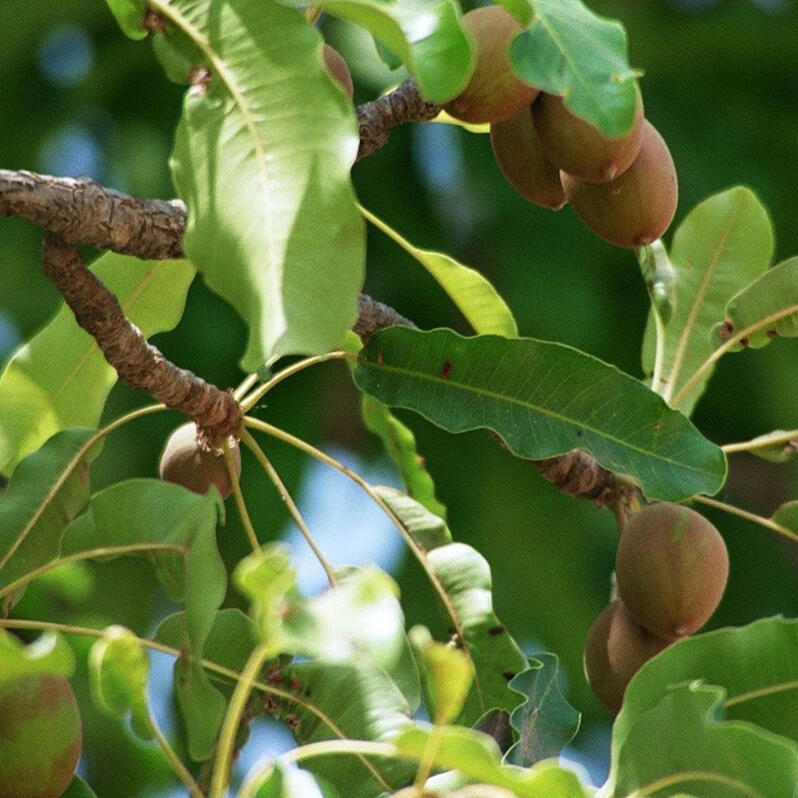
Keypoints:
pixel 698 754
pixel 722 245
pixel 764 310
pixel 778 446
pixel 288 782
pixel 425 526
pixel 47 490
pixel 130 16
pixel 543 399
pixel 570 51
pixel 59 378
pixel 119 669
pixel 262 157
pixel 545 721
pixel 49 653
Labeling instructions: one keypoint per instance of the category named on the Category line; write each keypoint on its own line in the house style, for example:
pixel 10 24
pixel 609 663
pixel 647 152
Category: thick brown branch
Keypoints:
pixel 377 118
pixel 137 363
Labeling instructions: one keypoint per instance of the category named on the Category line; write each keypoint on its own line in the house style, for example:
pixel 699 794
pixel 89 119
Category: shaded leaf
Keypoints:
pixel 272 225
pixel 60 378
pixel 698 754
pixel 47 490
pixel 49 653
pixel 400 444
pixel 477 756
pixel 543 399
pixel 425 35
pixel 426 527
pixel 764 310
pixel 545 721
pixel 778 446
pixel 721 246
pixel 474 296
pixel 79 789
pixel 119 670
pixel 570 51
pixel 130 16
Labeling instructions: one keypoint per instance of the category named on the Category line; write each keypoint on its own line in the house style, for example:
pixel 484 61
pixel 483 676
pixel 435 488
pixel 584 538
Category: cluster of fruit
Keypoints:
pixel 624 189
pixel 671 571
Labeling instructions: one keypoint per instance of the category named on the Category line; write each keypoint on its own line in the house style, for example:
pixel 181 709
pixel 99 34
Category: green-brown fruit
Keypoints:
pixel 494 92
pixel 40 736
pixel 635 208
pixel 616 647
pixel 519 155
pixel 580 149
pixel 339 69
pixel 188 461
pixel 671 569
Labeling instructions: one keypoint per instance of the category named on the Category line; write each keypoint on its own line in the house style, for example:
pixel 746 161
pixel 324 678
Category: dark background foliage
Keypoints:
pixel 77 98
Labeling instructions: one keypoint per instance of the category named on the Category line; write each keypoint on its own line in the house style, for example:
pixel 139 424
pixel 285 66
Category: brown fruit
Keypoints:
pixel 671 569
pixel 518 153
pixel 40 736
pixel 494 92
pixel 339 69
pixel 616 647
pixel 580 149
pixel 635 208
pixel 188 461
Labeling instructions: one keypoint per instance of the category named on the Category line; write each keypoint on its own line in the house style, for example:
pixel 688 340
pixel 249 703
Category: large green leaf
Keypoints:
pixel 480 303
pixel 725 243
pixel 79 789
pixel 262 157
pixel 424 34
pixel 285 782
pixel 130 16
pixel 178 528
pixel 755 664
pixel 543 399
pixel 764 310
pixel 60 378
pixel 681 745
pixel 570 51
pixel 47 490
pixel 50 653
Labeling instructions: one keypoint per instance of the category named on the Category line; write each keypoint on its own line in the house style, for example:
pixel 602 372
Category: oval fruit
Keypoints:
pixel 616 647
pixel 339 69
pixel 518 153
pixel 40 736
pixel 635 208
pixel 671 569
pixel 187 461
pixel 494 92
pixel 580 149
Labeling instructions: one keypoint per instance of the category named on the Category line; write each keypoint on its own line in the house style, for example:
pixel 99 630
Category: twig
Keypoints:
pixel 137 363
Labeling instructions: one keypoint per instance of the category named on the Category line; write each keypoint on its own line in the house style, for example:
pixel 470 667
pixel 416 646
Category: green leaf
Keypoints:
pixel 545 721
pixel 764 310
pixel 480 303
pixel 543 399
pixel 448 675
pixel 697 754
pixel 570 51
pixel 722 245
pixel 178 528
pixel 119 670
pixel 47 490
pixel 49 653
pixel 130 16
pixel 79 789
pixel 758 689
pixel 59 378
pixel 778 446
pixel 427 528
pixel 477 756
pixel 288 782
pixel 262 157
pixel 400 444
pixel 425 35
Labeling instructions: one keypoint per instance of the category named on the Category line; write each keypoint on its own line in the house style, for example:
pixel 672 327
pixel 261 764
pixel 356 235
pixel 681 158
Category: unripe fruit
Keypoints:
pixel 519 155
pixel 616 647
pixel 671 569
pixel 40 736
pixel 339 69
pixel 494 92
pixel 635 208
pixel 580 149
pixel 188 461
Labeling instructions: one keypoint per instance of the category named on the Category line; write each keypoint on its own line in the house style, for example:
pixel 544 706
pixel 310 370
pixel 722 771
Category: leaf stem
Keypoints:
pixel 181 771
pixel 768 523
pixel 759 443
pixel 427 761
pixel 278 483
pixel 696 775
pixel 246 521
pixel 232 718
pixel 245 385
